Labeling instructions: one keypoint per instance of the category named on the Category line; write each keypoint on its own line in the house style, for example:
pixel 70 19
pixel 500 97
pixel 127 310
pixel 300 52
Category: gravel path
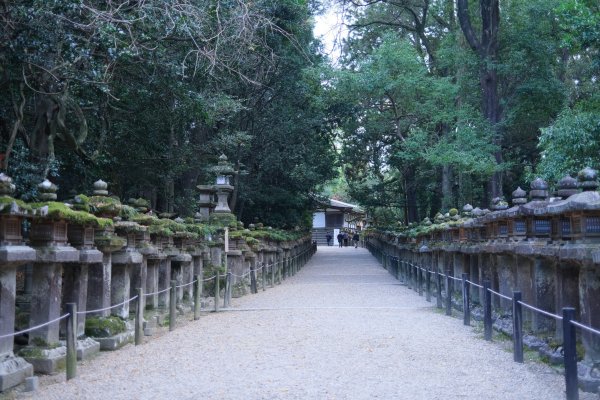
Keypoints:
pixel 342 328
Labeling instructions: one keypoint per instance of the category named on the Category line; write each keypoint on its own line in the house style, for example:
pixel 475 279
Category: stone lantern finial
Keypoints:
pixel 539 190
pixel 519 197
pixel 7 188
pixel 567 187
pixel 100 188
pixel 498 203
pixel 588 179
pixel 47 191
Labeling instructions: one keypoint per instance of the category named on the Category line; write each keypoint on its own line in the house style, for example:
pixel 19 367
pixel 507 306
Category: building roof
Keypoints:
pixel 342 206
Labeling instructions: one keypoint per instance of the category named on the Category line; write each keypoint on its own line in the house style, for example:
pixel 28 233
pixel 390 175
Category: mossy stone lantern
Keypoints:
pixel 585 220
pixel 222 185
pixel 518 224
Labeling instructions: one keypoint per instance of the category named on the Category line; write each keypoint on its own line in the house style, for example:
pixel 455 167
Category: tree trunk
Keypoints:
pixel 447 196
pixel 487 50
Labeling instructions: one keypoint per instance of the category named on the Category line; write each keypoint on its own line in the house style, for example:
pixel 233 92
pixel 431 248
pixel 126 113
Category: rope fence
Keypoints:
pixel 411 274
pixel 107 308
pixel 34 328
pixel 290 265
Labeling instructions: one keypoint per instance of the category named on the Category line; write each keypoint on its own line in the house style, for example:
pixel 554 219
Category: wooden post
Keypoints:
pixel 448 293
pixel 273 274
pixel 228 284
pixel 428 284
pixel 197 296
pixel 438 300
pixel 487 310
pixel 253 287
pixel 172 304
pixel 139 317
pixel 264 277
pixel 217 290
pixel 517 328
pixel 71 341
pixel 570 353
pixel 466 300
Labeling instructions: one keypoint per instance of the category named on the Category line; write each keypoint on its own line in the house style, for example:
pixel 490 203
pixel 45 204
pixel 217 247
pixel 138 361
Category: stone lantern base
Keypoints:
pixel 13 371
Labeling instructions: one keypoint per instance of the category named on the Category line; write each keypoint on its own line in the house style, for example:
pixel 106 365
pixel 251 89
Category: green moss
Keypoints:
pixel 130 227
pixel 111 241
pixel 127 213
pixel 7 201
pixel 105 205
pixel 104 326
pixel 31 352
pixel 60 211
pixel 81 202
pixel 144 219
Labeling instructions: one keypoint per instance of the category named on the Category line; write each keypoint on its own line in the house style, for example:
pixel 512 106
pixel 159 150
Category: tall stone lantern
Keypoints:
pixel 223 186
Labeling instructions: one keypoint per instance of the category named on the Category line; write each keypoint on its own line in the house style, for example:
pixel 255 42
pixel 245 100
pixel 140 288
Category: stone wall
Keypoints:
pixel 547 248
pixel 97 253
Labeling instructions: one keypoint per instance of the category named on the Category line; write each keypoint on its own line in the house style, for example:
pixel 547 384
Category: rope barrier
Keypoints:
pixel 209 279
pixel 159 292
pixel 474 284
pixel 501 295
pixel 546 313
pixel 453 278
pixel 186 284
pixel 35 327
pixel 585 327
pixel 107 308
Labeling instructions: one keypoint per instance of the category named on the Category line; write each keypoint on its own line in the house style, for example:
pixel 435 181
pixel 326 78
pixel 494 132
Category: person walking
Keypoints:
pixel 340 238
pixel 355 239
pixel 329 238
pixel 345 239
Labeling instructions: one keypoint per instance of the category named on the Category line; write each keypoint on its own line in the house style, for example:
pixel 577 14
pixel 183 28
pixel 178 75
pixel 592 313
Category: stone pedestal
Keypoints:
pixel 164 281
pixel 13 369
pixel 123 263
pixel 152 282
pixel 99 285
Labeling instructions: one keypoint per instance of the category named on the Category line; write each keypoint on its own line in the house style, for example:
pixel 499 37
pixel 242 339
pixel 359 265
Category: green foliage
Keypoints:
pixel 102 327
pixel 569 145
pixel 60 211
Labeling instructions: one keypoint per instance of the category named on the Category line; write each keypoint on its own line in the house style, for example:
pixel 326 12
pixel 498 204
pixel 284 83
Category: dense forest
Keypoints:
pixel 433 104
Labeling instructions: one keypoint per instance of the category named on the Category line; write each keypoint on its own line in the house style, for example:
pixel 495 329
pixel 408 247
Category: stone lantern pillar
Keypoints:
pixel 49 238
pixel 206 202
pixel 13 369
pixel 223 185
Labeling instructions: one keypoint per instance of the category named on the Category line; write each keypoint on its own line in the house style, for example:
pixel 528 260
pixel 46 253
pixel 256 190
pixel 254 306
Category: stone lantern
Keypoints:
pixel 518 225
pixel 13 253
pixel 205 202
pixel 223 185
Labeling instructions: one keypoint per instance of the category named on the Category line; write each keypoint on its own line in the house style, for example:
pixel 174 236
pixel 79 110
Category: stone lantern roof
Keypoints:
pixel 588 179
pixel 567 187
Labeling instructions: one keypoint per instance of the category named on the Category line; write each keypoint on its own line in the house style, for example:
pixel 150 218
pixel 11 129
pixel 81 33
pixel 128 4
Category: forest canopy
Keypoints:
pixel 433 103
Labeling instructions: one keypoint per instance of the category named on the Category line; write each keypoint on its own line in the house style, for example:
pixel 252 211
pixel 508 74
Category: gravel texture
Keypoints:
pixel 342 328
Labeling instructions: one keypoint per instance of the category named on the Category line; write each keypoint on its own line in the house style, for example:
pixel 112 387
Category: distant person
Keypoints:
pixel 329 238
pixel 355 239
pixel 345 239
pixel 340 238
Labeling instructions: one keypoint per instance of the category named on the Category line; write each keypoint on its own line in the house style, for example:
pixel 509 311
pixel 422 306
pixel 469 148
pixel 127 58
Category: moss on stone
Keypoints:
pixel 104 326
pixel 105 205
pixel 7 201
pixel 60 211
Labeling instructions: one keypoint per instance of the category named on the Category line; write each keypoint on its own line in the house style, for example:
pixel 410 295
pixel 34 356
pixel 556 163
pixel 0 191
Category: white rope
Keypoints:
pixel 209 279
pixel 186 284
pixel 585 327
pixel 159 292
pixel 501 295
pixel 35 327
pixel 546 313
pixel 474 284
pixel 108 308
